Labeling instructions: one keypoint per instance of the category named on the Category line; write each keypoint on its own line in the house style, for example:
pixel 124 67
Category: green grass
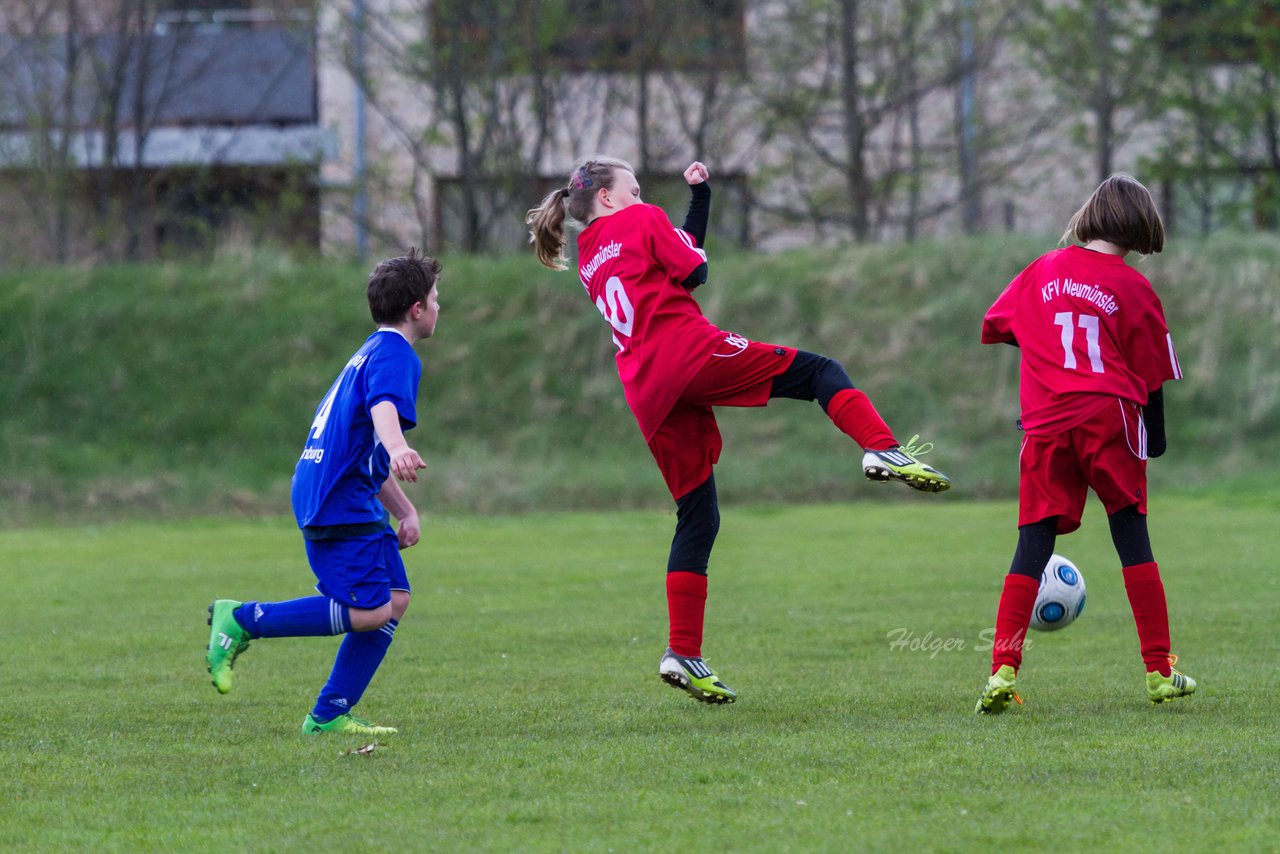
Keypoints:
pixel 524 682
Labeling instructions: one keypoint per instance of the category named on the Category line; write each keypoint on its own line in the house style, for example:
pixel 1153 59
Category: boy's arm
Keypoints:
pixel 398 504
pixel 405 461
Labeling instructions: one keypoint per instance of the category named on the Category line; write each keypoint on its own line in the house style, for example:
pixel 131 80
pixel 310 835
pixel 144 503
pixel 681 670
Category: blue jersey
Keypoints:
pixel 343 465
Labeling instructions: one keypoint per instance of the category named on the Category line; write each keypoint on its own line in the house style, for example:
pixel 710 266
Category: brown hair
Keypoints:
pixel 546 221
pixel 1120 211
pixel 397 283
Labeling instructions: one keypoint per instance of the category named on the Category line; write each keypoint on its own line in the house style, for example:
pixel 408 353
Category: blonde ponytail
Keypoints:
pixel 546 229
pixel 547 221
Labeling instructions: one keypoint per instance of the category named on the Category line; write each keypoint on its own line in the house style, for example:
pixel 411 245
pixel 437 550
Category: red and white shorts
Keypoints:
pixel 738 373
pixel 1107 453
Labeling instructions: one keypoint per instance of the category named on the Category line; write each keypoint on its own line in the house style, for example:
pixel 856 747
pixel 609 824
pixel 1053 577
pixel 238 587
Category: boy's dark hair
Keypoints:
pixel 1120 211
pixel 397 283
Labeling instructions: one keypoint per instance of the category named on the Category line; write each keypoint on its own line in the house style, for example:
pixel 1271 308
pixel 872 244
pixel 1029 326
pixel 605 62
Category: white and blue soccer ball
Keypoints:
pixel 1061 596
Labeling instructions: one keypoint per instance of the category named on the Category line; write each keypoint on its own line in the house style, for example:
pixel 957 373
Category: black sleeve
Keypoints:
pixel 1153 414
pixel 697 277
pixel 695 222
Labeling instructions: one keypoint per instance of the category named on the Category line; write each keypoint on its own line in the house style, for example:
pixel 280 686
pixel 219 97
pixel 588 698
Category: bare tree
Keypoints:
pixel 1102 62
pixel 843 98
pixel 483 69
pixel 1221 143
pixel 43 52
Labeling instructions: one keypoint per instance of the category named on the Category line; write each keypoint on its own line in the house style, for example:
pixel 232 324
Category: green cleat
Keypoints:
pixel 900 463
pixel 1162 689
pixel 345 725
pixel 693 675
pixel 226 641
pixel 998 692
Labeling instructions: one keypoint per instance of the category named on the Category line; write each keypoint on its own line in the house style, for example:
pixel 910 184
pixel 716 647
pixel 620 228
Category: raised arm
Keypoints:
pixel 695 221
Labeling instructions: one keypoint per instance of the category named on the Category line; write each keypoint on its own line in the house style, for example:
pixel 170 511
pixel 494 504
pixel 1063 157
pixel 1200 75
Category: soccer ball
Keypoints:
pixel 1061 596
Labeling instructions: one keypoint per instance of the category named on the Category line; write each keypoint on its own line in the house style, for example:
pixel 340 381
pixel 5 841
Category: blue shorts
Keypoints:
pixel 359 572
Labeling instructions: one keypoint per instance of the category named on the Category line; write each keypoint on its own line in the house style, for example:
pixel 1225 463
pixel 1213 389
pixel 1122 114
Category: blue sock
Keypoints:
pixel 297 618
pixel 357 661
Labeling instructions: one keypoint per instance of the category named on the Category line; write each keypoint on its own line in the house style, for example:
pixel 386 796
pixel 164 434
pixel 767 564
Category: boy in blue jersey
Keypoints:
pixel 344 485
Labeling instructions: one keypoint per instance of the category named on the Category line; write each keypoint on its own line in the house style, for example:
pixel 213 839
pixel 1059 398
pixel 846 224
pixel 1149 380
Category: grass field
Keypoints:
pixel 524 683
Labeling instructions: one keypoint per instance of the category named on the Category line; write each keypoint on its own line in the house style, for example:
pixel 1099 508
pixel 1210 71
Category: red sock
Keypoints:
pixel 852 412
pixel 1013 616
pixel 1150 613
pixel 686 604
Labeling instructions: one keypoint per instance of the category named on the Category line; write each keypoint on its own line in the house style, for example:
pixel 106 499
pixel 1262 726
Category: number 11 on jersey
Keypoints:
pixel 1087 322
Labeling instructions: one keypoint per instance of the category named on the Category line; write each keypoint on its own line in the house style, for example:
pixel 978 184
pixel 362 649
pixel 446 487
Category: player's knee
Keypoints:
pixel 371 619
pixel 1035 546
pixel 830 379
pixel 399 604
pixel 697 524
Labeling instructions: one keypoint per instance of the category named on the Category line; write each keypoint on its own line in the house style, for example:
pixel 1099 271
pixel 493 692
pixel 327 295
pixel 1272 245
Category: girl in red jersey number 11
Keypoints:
pixel 676 366
pixel 1095 356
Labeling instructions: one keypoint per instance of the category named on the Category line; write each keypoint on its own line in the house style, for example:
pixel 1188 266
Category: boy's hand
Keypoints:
pixel 410 531
pixel 696 173
pixel 405 464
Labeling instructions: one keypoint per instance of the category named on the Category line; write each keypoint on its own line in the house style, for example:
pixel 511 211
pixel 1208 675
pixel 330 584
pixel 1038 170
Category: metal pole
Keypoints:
pixel 361 202
pixel 971 205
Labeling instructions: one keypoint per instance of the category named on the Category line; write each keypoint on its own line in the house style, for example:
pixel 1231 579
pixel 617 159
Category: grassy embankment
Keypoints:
pixel 179 389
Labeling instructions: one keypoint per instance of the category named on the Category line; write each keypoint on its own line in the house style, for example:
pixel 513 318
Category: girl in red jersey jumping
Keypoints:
pixel 1095 355
pixel 675 366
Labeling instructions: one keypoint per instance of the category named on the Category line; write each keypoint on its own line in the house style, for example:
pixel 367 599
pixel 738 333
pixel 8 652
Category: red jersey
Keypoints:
pixel 632 263
pixel 1090 329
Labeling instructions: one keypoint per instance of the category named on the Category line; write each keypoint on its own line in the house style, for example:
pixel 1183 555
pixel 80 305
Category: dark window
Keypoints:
pixel 203 5
pixel 194 209
pixel 592 35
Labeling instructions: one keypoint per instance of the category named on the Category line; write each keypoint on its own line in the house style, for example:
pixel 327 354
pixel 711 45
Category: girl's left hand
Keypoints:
pixel 696 173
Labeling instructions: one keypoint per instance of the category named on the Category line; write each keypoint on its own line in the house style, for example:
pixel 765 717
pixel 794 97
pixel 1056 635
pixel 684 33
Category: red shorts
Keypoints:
pixel 739 373
pixel 1107 453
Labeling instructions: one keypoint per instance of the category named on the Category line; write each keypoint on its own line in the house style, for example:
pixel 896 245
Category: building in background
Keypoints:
pixel 136 128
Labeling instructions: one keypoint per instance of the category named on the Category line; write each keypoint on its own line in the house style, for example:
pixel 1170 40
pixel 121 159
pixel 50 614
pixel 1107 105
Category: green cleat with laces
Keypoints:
pixel 1162 689
pixel 998 691
pixel 345 725
pixel 227 639
pixel 693 675
pixel 900 463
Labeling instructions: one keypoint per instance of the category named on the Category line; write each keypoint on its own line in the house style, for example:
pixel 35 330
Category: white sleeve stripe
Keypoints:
pixel 688 241
pixel 1173 357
